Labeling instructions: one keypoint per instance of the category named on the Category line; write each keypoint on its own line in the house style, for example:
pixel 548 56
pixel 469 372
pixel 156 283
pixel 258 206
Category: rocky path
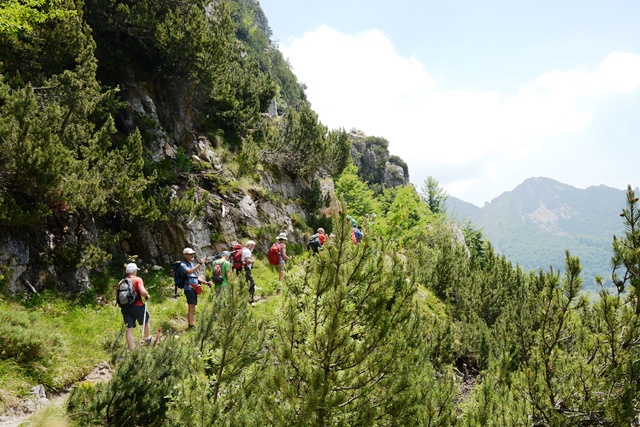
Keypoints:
pixel 39 399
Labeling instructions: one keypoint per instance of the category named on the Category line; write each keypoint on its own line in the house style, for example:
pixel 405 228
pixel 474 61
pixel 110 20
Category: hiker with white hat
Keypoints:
pixel 190 272
pixel 129 297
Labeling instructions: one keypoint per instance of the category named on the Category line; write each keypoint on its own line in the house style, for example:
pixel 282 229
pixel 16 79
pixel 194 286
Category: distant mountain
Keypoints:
pixel 535 223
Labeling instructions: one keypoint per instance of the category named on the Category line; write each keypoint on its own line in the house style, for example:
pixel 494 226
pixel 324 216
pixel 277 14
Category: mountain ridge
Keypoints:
pixel 536 222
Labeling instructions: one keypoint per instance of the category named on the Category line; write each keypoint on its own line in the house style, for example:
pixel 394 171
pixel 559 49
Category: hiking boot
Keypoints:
pixel 148 341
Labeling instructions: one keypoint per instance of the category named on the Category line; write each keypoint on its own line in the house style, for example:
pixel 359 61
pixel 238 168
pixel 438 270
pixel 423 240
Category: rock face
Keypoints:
pixel 166 112
pixel 268 208
pixel 14 259
pixel 375 164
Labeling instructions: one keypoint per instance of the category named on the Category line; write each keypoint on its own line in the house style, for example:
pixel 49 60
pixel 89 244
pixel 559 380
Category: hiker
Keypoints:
pixel 223 271
pixel 247 263
pixel 356 234
pixel 316 242
pixel 137 310
pixel 283 257
pixel 189 269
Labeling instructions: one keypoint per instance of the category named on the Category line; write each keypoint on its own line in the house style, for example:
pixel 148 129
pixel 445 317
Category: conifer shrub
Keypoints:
pixel 225 379
pixel 349 344
pixel 21 341
pixel 140 390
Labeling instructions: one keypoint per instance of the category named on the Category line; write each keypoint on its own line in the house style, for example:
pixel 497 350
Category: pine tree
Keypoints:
pixel 626 251
pixel 349 347
pixel 140 391
pixel 434 196
pixel 224 384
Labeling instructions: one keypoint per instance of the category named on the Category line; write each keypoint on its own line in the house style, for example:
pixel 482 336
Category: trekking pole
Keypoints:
pixel 144 318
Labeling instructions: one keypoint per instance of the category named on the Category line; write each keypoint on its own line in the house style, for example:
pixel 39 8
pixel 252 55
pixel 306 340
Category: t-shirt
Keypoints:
pixel 137 281
pixel 225 267
pixel 246 254
pixel 192 279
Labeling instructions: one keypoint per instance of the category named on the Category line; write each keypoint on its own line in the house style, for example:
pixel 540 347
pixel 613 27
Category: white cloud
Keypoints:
pixel 361 81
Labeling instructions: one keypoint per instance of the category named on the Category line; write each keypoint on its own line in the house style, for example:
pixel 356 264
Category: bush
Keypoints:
pixel 23 343
pixel 139 392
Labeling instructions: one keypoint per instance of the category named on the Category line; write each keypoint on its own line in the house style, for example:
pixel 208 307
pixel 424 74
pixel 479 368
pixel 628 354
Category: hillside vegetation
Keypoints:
pixel 126 124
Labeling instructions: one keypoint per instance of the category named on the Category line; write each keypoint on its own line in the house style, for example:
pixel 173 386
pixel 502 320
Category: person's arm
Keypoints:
pixel 143 290
pixel 284 252
pixel 196 267
pixel 204 282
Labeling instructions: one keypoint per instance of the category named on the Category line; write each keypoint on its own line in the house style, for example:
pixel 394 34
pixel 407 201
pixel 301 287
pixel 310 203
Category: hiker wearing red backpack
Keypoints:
pixel 222 268
pixel 246 262
pixel 278 255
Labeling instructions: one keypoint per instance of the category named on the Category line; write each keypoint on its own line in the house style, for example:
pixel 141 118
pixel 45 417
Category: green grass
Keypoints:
pixel 77 344
pixel 48 416
pixel 57 341
pixel 75 335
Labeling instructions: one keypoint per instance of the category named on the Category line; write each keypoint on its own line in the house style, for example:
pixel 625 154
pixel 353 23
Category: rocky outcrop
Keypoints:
pixel 14 259
pixel 271 206
pixel 375 164
pixel 163 112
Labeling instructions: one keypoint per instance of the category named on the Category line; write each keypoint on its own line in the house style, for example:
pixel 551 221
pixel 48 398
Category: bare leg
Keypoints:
pixel 147 329
pixel 129 336
pixel 191 314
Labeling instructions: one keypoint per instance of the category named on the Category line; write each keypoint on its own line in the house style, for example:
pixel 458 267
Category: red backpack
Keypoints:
pixel 274 253
pixel 237 257
pixel 217 273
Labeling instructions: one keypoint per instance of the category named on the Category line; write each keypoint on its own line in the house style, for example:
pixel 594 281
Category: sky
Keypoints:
pixel 480 95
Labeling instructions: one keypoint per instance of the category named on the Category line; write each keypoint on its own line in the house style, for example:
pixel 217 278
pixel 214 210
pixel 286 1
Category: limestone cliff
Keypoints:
pixel 375 164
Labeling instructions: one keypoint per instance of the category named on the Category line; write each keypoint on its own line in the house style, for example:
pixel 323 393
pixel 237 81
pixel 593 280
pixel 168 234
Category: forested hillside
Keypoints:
pixel 132 129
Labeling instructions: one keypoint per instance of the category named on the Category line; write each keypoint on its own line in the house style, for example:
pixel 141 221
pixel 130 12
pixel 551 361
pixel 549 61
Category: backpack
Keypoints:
pixel 354 236
pixel 314 243
pixel 274 254
pixel 179 278
pixel 237 257
pixel 126 296
pixel 217 273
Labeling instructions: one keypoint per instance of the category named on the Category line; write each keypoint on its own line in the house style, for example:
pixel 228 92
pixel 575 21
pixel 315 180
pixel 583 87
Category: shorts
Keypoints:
pixel 133 313
pixel 280 267
pixel 192 298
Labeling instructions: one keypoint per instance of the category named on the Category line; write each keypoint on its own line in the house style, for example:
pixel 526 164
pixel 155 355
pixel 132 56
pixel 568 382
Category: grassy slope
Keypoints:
pixel 90 333
pixel 84 334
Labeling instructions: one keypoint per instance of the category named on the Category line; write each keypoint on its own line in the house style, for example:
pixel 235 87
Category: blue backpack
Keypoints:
pixel 179 278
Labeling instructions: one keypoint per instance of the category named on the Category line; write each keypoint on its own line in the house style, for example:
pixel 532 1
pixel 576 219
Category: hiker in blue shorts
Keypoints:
pixel 189 269
pixel 136 311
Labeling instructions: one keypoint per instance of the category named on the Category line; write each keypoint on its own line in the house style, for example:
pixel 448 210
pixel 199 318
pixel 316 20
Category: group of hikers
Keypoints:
pixel 131 290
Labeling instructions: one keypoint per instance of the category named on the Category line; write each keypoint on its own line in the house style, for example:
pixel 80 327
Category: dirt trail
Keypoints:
pixel 20 414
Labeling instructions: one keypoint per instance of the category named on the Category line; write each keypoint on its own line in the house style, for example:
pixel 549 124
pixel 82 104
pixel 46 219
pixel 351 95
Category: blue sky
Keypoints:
pixel 479 95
